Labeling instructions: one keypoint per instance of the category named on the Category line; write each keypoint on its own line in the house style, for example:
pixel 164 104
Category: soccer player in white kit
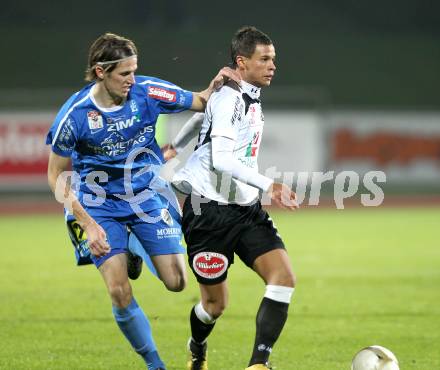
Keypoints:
pixel 222 214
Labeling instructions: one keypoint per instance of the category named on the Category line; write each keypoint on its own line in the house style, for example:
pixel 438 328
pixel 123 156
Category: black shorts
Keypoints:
pixel 215 231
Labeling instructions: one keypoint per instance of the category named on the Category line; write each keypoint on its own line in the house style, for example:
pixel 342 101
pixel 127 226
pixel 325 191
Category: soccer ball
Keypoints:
pixel 375 358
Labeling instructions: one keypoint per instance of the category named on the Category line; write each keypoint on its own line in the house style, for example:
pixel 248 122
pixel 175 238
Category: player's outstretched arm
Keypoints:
pixel 224 75
pixel 57 174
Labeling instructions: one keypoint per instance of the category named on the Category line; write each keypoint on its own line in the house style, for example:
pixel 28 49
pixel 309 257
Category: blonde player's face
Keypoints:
pixel 119 81
pixel 260 68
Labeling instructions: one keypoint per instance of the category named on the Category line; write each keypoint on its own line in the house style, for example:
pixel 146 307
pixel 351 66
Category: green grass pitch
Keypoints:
pixel 365 276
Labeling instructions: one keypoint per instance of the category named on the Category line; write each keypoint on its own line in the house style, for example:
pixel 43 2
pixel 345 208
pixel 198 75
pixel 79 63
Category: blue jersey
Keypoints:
pixel 108 144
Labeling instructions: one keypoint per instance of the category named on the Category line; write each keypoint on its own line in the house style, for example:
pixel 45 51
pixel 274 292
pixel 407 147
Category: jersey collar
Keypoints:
pixel 102 109
pixel 251 90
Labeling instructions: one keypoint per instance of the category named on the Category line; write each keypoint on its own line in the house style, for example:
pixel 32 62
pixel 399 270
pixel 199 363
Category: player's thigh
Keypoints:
pixel 162 235
pixel 117 237
pixel 258 237
pixel 161 239
pixel 274 268
pixel 114 269
pixel 210 237
pixel 114 272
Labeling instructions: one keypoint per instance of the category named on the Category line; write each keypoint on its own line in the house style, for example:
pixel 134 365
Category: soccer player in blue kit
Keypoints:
pixel 106 131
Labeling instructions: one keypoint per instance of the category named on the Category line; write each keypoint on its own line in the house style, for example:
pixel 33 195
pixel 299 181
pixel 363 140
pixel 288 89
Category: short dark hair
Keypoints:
pixel 105 48
pixel 244 42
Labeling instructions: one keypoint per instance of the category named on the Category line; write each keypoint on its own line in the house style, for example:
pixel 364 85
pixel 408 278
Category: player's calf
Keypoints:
pixel 270 321
pixel 202 324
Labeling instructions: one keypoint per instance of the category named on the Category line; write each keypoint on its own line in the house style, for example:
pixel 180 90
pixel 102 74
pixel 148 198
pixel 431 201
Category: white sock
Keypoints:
pixel 202 315
pixel 279 293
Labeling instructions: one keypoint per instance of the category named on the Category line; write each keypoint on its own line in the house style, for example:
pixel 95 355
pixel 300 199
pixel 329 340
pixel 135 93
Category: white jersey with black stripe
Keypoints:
pixel 235 113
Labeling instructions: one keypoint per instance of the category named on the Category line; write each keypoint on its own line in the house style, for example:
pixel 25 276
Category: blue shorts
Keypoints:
pixel 164 236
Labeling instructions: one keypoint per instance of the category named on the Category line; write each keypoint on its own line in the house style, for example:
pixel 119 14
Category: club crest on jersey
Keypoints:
pixel 210 265
pixel 94 119
pixel 162 94
pixel 166 217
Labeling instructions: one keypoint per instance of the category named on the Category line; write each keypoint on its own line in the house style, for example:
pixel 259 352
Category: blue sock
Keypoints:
pixel 136 328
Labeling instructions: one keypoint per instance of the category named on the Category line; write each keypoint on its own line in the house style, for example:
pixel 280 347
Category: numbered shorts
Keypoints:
pixel 164 236
pixel 79 241
pixel 219 231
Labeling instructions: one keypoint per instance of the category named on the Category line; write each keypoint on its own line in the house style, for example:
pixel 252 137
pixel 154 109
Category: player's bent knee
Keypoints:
pixel 217 311
pixel 120 294
pixel 176 283
pixel 290 280
pixel 283 278
pixel 175 286
pixel 215 307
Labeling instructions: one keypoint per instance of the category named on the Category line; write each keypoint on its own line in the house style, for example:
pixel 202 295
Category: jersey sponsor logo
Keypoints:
pixel 94 119
pixel 116 144
pixel 210 265
pixel 238 107
pixel 162 94
pixel 113 138
pixel 113 125
pixel 168 232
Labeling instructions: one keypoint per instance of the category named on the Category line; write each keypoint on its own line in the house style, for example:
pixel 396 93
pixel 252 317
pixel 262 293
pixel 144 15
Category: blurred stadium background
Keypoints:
pixel 356 89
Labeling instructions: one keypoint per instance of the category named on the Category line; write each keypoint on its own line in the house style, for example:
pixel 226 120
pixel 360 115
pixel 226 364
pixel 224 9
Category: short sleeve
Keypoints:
pixel 227 112
pixel 63 136
pixel 168 97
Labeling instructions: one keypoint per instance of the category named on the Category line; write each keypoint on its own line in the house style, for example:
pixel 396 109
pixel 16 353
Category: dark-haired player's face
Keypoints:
pixel 259 69
pixel 119 81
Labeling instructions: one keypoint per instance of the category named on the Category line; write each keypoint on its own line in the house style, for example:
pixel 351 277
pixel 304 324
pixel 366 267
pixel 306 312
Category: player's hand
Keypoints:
pixel 283 196
pixel 223 76
pixel 168 152
pixel 97 239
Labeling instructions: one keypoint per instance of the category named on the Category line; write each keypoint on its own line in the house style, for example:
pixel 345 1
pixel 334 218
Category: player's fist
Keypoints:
pixel 97 239
pixel 283 196
pixel 168 152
